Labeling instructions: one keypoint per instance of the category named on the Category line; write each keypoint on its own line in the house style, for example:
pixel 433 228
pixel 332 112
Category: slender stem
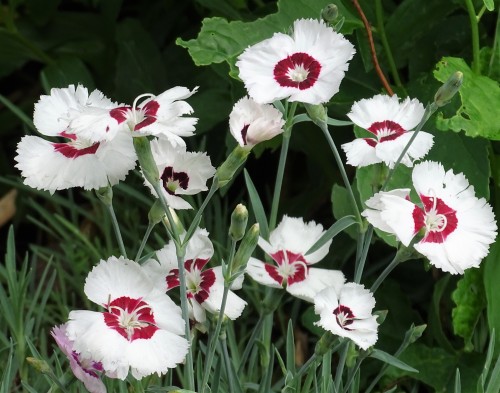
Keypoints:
pixel 481 13
pixel 116 228
pixel 476 65
pixel 389 268
pixel 250 344
pixel 144 241
pixel 281 167
pixel 360 264
pixel 383 37
pixel 227 361
pixel 353 374
pixel 312 360
pixel 333 147
pixel 340 366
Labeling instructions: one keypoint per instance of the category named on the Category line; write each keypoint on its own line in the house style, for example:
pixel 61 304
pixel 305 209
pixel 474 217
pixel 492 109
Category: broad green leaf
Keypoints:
pixel 220 40
pixel 470 301
pixel 66 71
pixel 491 274
pixel 480 101
pixel 391 360
pixel 342 206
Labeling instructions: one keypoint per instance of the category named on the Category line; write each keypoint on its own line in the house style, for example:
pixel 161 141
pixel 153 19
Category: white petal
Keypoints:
pixel 359 153
pixel 257 271
pixel 316 280
pixel 389 151
pixel 398 215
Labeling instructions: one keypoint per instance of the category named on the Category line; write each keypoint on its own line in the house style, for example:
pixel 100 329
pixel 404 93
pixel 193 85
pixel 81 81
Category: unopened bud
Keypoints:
pixel 105 195
pixel 446 92
pixel 39 365
pixel 179 228
pixel 324 344
pixel 233 162
pixel 330 13
pixel 317 113
pixel 156 213
pixel 239 220
pixel 146 161
pixel 245 250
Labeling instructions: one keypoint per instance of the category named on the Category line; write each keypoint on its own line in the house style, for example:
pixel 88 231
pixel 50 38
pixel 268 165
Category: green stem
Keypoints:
pixel 340 366
pixel 353 373
pixel 385 43
pixel 116 228
pixel 250 344
pixel 360 264
pixel 389 268
pixel 144 240
pixel 281 166
pixel 476 65
pixel 227 362
pixel 481 12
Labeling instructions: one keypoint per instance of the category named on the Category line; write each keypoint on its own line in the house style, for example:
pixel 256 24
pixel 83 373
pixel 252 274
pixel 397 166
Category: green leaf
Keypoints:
pixel 14 53
pixel 494 382
pixel 66 71
pixel 342 207
pixel 258 208
pixel 470 301
pixel 480 101
pixel 334 230
pixel 220 40
pixel 391 360
pixel 490 277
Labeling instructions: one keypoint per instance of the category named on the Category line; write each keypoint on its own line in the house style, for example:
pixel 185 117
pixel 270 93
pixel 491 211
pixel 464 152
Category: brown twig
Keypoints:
pixel 368 29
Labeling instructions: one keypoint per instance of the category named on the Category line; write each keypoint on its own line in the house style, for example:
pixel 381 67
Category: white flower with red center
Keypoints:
pixel 160 116
pixel 205 286
pixel 348 313
pixel 140 329
pixel 390 122
pixel 76 162
pixel 287 246
pixel 306 66
pixel 251 123
pixel 181 172
pixel 457 227
pixel 86 370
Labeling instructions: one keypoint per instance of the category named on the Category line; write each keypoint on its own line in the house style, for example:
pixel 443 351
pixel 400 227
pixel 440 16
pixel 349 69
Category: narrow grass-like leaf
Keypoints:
pixel 265 386
pixel 335 122
pixel 258 208
pixel 214 387
pixel 458 386
pixel 290 349
pixel 8 372
pixel 281 362
pixel 494 381
pixel 334 230
pixel 389 359
pixel 18 112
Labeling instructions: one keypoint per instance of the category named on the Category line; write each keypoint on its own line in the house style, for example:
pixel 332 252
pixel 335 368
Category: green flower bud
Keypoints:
pixel 105 195
pixel 446 92
pixel 317 113
pixel 245 250
pixel 330 13
pixel 146 160
pixel 156 213
pixel 324 344
pixel 239 220
pixel 179 228
pixel 39 365
pixel 233 162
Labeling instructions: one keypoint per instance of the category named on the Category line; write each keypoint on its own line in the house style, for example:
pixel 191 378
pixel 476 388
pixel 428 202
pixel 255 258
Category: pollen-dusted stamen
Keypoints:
pixel 299 70
pixel 344 316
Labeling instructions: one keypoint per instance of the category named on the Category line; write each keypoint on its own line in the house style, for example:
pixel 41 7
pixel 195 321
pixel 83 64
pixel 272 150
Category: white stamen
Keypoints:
pixel 298 74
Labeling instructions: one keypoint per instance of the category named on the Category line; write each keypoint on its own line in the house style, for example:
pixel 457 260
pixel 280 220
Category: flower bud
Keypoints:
pixel 324 344
pixel 239 220
pixel 330 13
pixel 179 228
pixel 156 213
pixel 245 250
pixel 146 161
pixel 233 162
pixel 39 365
pixel 317 113
pixel 446 92
pixel 105 195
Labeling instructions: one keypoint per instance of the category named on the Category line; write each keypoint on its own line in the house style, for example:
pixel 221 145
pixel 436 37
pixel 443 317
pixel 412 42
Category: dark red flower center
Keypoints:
pixel 173 180
pixel 292 268
pixel 298 70
pixel 138 117
pixel 132 318
pixel 198 282
pixel 438 219
pixel 386 130
pixel 74 148
pixel 344 316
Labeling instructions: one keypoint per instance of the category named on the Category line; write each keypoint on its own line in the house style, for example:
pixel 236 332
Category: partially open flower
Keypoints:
pixel 306 66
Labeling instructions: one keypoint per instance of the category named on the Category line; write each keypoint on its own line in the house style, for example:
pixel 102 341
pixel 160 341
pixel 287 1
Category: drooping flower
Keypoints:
pixel 140 329
pixel 348 313
pixel 87 371
pixel 205 286
pixel 181 172
pixel 251 123
pixel 457 226
pixel 390 122
pixel 287 246
pixel 306 66
pixel 76 162
pixel 160 116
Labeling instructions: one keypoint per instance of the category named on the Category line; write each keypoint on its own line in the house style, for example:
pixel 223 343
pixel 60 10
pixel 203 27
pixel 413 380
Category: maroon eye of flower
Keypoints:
pixel 173 180
pixel 437 217
pixel 298 70
pixel 386 130
pixel 344 316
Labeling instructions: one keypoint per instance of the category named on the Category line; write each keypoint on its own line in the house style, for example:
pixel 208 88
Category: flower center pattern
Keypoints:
pixel 75 147
pixel 292 268
pixel 344 316
pixel 88 366
pixel 173 180
pixel 438 219
pixel 198 282
pixel 386 130
pixel 298 70
pixel 136 118
pixel 132 318
pixel 244 132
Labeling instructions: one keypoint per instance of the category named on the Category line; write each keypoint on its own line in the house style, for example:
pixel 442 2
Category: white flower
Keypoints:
pixel 160 116
pixel 306 66
pixel 251 123
pixel 390 122
pixel 287 246
pixel 76 162
pixel 205 287
pixel 140 329
pixel 348 313
pixel 85 370
pixel 457 227
pixel 181 172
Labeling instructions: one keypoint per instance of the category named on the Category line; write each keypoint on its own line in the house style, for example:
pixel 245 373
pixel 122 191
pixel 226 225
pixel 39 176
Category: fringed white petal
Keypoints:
pixel 315 281
pixel 359 153
pixel 256 269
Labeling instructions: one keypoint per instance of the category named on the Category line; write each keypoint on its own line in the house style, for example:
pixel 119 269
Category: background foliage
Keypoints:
pixel 125 48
